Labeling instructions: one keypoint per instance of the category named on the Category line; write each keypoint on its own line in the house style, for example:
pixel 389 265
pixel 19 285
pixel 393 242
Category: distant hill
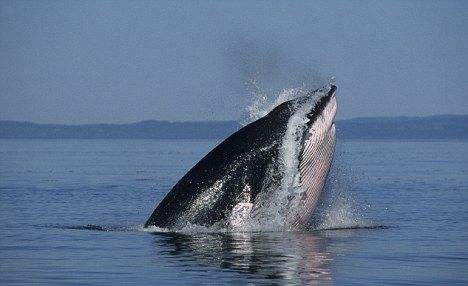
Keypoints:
pixel 140 130
pixel 431 127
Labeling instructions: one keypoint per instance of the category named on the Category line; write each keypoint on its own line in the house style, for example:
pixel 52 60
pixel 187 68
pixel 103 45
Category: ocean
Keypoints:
pixel 71 212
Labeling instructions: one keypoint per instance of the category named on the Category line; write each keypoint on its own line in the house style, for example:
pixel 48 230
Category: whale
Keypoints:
pixel 271 170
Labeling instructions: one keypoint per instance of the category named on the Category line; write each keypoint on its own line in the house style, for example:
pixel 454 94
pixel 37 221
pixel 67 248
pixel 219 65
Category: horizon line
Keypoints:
pixel 219 121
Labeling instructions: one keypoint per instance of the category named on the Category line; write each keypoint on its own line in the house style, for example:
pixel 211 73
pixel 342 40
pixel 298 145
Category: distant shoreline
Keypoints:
pixel 429 127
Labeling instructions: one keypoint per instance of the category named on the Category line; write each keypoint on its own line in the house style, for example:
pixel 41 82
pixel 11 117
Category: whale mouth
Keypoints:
pixel 325 108
pixel 331 107
pixel 332 94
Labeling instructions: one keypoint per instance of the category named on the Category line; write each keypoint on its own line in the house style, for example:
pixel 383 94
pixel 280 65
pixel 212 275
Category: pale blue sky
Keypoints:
pixel 124 61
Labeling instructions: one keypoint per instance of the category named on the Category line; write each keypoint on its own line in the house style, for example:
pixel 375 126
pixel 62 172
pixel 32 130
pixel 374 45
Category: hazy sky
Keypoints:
pixel 124 61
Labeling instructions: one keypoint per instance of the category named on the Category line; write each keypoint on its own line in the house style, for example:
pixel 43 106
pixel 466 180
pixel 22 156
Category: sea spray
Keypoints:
pixel 263 102
pixel 338 207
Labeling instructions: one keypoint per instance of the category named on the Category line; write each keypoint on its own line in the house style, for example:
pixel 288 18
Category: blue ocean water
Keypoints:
pixel 71 212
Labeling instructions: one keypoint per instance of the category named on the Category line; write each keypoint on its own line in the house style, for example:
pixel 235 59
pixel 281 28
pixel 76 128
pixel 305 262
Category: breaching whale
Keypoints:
pixel 271 169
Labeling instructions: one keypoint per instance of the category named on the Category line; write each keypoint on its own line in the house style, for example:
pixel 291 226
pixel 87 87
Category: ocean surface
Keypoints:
pixel 71 212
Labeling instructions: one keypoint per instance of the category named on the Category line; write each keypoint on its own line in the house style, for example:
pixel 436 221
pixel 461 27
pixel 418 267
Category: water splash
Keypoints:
pixel 338 207
pixel 263 102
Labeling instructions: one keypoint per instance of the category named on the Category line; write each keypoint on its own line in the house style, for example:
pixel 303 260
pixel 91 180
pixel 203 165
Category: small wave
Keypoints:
pixel 356 227
pixel 94 227
pixel 197 229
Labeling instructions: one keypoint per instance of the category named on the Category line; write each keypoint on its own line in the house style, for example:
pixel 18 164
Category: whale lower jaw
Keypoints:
pixel 315 163
pixel 314 168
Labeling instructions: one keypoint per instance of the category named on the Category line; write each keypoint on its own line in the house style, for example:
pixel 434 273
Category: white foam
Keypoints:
pixel 153 228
